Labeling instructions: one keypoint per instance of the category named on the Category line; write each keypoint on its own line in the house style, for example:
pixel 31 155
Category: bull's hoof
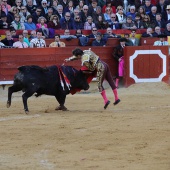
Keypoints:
pixel 105 106
pixel 27 112
pixel 8 104
pixel 116 102
pixel 63 108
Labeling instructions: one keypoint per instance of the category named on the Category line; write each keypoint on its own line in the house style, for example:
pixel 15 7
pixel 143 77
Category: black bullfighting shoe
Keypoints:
pixel 116 102
pixel 105 106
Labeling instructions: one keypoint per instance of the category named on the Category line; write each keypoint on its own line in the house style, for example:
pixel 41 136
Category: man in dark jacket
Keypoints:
pixel 99 41
pixel 67 22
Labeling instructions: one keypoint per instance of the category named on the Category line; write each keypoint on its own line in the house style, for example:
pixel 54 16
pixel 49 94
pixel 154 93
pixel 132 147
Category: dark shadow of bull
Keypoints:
pixel 53 80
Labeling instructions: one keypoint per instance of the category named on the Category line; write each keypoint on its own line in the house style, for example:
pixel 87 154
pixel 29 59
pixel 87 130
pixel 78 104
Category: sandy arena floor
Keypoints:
pixel 134 135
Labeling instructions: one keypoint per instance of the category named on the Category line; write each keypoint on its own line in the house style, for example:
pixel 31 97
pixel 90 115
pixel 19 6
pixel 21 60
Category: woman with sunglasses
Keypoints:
pixel 146 22
pixel 54 23
pixel 11 13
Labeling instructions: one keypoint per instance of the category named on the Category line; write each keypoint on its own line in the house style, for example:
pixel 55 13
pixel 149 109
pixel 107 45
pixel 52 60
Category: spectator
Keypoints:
pixel 5 7
pixel 99 41
pixel 25 2
pixel 55 3
pixel 78 23
pixel 33 35
pixel 166 15
pixel 38 42
pixel 92 7
pixel 36 15
pixel 75 13
pixel 133 38
pixel 100 23
pixel 167 30
pixel 59 11
pixel 30 6
pixel 117 3
pixel 97 13
pixel 107 14
pixel 3 22
pixel 121 17
pixel 67 22
pixel 57 42
pixel 138 22
pixel 148 6
pixel 84 14
pixel 110 34
pixel 18 4
pixel 109 4
pixel 44 8
pixel 157 31
pixel 26 38
pixel 11 13
pixel 69 8
pixel 128 40
pixel 64 3
pixel 118 55
pixel 23 14
pixel 17 24
pixel 159 21
pixel 141 12
pixel 79 33
pixel 162 41
pixel 93 34
pixel 152 14
pixel 49 14
pixel 54 23
pixel 114 24
pixel 101 3
pixel 20 43
pixel 2 45
pixel 148 33
pixel 132 12
pixel 67 35
pixel 139 3
pixel 2 13
pixel 89 24
pixel 80 5
pixel 43 26
pixel 147 23
pixel 29 25
pixel 129 23
pixel 161 6
pixel 14 34
pixel 8 41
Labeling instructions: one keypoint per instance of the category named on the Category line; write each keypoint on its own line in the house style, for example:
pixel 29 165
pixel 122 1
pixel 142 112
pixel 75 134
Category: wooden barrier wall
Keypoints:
pixel 10 59
pixel 146 64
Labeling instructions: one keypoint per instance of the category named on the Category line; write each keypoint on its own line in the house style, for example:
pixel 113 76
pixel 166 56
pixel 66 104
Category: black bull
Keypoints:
pixel 53 80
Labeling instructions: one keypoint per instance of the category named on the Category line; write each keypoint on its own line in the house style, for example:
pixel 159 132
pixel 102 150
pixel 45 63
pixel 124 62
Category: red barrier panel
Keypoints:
pixel 10 59
pixel 146 64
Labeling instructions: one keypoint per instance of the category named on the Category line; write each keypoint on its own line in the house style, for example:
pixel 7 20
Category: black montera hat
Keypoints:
pixel 122 40
pixel 162 36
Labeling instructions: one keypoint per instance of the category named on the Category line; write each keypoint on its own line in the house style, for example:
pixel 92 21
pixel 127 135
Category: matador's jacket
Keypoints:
pixel 93 63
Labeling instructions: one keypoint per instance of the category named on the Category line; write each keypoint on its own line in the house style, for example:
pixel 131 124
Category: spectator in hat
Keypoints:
pixel 29 25
pixel 161 41
pixel 129 23
pixel 99 41
pixel 118 55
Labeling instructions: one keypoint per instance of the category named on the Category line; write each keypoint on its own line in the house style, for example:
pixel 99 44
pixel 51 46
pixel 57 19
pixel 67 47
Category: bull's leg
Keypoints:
pixel 11 90
pixel 61 100
pixel 25 97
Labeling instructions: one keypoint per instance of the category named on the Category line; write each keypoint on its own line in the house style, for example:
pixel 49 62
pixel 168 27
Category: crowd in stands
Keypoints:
pixel 44 17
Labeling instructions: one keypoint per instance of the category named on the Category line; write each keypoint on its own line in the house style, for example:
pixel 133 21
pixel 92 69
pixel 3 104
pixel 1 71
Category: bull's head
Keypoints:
pixel 80 81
